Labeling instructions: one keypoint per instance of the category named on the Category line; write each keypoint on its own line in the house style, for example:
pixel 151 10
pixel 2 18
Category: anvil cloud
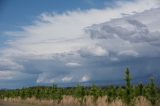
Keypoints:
pixel 81 46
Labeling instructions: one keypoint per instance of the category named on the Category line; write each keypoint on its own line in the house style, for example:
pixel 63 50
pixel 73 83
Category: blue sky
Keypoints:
pixel 59 41
pixel 23 12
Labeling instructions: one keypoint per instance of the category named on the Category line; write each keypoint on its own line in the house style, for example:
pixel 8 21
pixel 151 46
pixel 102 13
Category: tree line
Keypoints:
pixel 128 93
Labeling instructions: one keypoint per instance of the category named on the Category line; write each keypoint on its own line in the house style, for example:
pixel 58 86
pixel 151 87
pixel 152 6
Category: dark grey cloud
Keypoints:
pixel 138 33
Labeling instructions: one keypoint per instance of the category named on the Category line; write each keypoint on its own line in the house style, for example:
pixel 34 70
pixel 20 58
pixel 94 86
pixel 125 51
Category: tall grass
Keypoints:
pixel 71 101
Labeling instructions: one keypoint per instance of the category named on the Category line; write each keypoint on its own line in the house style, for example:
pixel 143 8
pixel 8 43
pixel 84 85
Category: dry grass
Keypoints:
pixel 69 101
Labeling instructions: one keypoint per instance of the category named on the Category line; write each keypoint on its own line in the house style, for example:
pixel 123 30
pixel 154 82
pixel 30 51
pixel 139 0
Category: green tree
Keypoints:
pixel 128 94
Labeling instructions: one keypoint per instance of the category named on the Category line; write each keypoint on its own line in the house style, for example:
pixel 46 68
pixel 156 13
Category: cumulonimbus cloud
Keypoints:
pixel 83 45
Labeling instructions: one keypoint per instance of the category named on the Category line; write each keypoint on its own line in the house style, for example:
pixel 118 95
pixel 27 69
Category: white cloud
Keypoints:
pixel 7 75
pixel 94 50
pixel 8 64
pixel 44 78
pixel 66 79
pixel 85 78
pixel 73 64
pixel 12 75
pixel 59 33
pixel 128 53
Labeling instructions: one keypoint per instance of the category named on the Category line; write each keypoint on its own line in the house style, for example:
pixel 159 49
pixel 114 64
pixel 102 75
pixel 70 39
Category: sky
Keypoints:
pixel 78 41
